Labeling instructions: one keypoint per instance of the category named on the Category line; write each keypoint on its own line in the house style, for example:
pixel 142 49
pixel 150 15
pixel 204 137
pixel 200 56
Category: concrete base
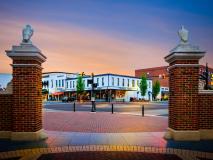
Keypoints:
pixel 189 135
pixel 24 136
pixel 5 134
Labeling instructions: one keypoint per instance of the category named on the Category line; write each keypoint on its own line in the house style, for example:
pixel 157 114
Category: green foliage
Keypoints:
pixel 156 89
pixel 44 91
pixel 80 84
pixel 143 85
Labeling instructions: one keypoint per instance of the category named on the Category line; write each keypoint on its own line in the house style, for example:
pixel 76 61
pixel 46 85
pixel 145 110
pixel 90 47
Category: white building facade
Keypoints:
pixel 110 87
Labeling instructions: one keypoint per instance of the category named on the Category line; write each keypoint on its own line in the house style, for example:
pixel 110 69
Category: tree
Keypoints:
pixel 155 89
pixel 45 93
pixel 80 85
pixel 143 85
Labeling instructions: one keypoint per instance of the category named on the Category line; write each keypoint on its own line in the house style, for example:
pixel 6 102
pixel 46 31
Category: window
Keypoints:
pixel 62 81
pixel 52 83
pixel 138 83
pixel 123 82
pixel 67 84
pixel 56 83
pixel 73 84
pixel 59 83
pixel 84 82
pixel 87 84
pixel 149 84
pixel 118 82
pixel 113 83
pixel 70 84
pixel 98 81
pixel 128 82
pixel 133 83
pixel 102 81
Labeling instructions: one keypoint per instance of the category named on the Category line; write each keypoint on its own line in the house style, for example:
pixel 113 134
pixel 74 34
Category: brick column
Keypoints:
pixel 183 82
pixel 27 92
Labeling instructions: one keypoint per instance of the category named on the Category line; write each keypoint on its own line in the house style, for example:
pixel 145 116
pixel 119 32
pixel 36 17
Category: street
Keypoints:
pixel 151 109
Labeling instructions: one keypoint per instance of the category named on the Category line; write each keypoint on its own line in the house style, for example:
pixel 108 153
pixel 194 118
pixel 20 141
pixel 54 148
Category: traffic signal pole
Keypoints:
pixel 92 95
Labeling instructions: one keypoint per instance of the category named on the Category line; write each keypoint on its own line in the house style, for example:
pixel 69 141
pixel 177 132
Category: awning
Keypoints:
pixel 57 93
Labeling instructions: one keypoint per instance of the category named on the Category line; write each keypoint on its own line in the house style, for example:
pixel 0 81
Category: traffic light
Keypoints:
pixel 89 81
pixel 82 74
pixel 95 85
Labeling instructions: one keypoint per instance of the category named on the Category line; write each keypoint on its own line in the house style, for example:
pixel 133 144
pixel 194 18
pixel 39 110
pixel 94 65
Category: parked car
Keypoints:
pixel 68 99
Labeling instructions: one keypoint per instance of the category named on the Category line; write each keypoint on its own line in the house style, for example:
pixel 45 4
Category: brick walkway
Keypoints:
pixel 102 122
pixel 104 152
pixel 108 156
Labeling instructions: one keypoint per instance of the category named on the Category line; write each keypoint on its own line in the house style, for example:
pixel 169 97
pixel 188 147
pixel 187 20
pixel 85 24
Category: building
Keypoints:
pixel 161 74
pixel 109 86
pixel 54 83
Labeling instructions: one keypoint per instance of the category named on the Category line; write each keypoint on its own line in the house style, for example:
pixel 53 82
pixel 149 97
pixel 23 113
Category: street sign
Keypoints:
pixel 92 98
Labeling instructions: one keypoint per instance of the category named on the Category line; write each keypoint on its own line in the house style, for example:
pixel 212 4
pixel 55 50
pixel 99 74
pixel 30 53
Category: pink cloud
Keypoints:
pixel 77 49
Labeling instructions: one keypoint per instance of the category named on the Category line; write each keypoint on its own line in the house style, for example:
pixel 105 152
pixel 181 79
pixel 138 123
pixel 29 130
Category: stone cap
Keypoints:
pixel 184 51
pixel 27 51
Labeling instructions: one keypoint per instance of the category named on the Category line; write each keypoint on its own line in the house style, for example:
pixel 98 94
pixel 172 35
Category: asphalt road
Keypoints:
pixel 150 108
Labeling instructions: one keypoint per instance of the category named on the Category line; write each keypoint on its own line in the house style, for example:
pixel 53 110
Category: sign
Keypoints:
pixel 212 79
pixel 92 98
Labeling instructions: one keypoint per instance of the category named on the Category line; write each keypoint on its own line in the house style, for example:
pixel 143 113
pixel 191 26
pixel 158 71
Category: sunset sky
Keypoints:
pixel 105 36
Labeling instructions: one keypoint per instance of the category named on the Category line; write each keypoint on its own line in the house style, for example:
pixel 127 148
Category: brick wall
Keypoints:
pixel 205 108
pixel 5 112
pixel 154 74
pixel 183 100
pixel 27 101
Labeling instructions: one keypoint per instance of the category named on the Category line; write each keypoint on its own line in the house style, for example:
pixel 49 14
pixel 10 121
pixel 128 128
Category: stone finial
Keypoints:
pixel 183 34
pixel 27 33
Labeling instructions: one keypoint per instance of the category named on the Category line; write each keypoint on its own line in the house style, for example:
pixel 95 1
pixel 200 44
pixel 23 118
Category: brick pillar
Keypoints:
pixel 183 90
pixel 27 92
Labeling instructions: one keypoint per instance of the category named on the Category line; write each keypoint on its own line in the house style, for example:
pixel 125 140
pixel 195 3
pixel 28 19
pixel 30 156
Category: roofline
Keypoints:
pixel 108 74
pixel 58 72
pixel 152 68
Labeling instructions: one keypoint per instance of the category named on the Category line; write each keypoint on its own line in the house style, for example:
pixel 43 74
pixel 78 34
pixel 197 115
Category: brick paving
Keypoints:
pixel 102 122
pixel 108 156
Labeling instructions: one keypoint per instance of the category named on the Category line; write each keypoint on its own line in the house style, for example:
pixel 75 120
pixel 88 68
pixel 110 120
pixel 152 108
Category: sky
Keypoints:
pixel 105 36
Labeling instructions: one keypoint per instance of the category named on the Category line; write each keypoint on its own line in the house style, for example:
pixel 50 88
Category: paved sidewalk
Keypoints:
pixel 102 122
pixel 102 129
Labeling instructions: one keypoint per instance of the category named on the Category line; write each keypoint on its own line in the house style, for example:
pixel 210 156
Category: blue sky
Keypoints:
pixel 146 27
